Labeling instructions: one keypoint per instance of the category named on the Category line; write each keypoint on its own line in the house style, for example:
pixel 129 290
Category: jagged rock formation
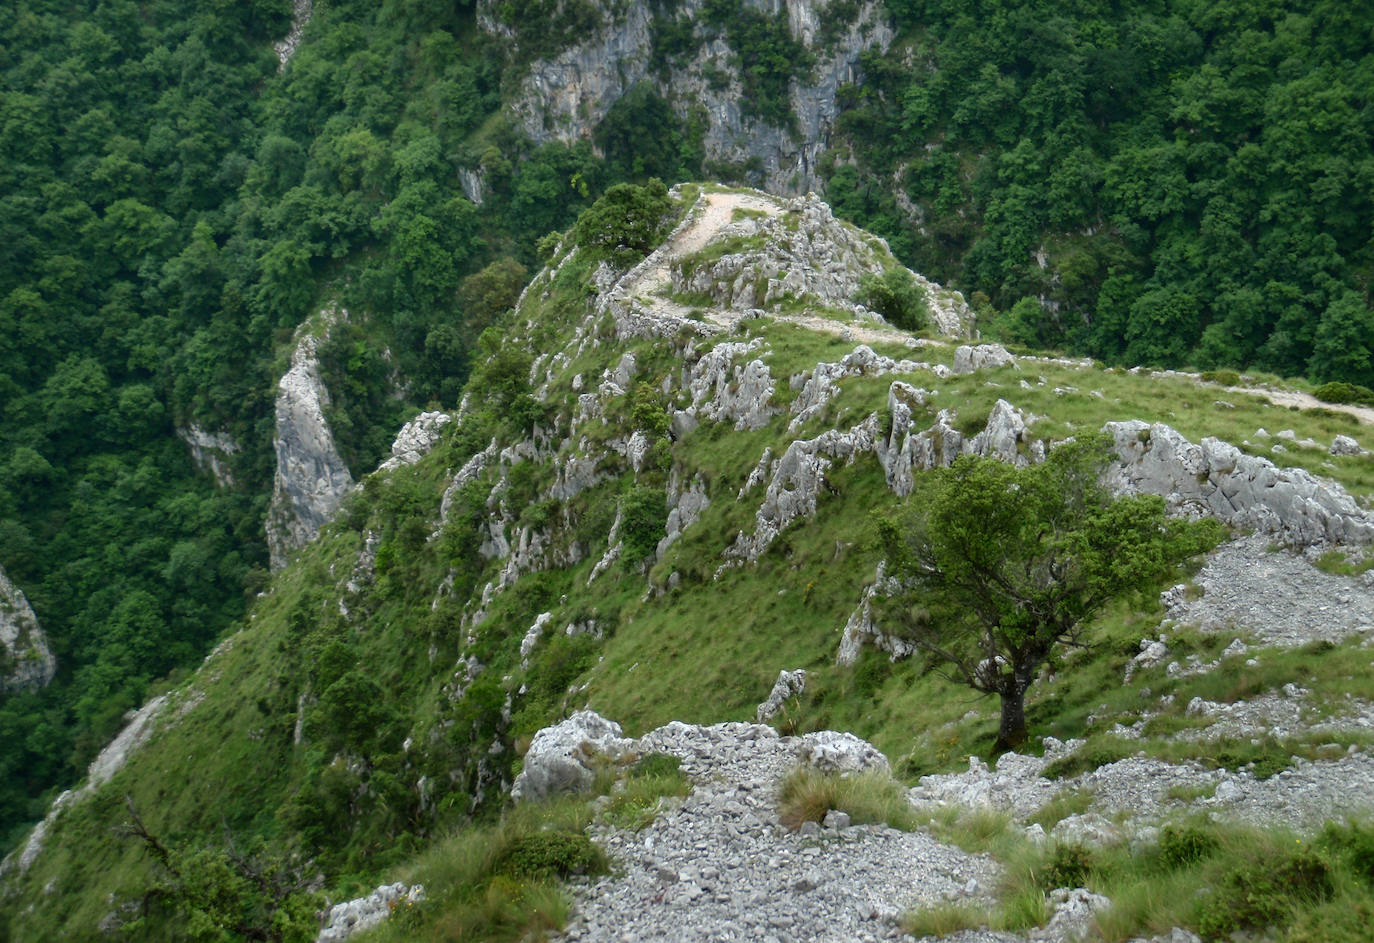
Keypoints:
pixel 565 98
pixel 211 452
pixel 1217 478
pixel 415 439
pixel 311 478
pixel 26 661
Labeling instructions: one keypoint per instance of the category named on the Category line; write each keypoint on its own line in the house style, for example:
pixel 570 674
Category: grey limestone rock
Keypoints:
pixel 724 390
pixel 416 439
pixel 364 913
pixel 789 684
pixel 684 512
pixel 1073 915
pixel 1345 445
pixel 820 386
pixel 26 661
pixel 563 758
pixel 210 451
pixel 311 478
pixel 971 358
pixel 1218 479
pixel 566 97
pixel 830 751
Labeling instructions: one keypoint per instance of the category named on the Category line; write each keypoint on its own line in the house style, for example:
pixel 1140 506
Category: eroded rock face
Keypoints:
pixel 26 661
pixel 1216 478
pixel 565 98
pixel 311 478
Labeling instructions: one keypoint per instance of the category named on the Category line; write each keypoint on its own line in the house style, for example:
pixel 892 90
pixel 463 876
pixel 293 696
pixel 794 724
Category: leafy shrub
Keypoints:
pixel 543 856
pixel 1339 392
pixel 627 223
pixel 644 521
pixel 1068 866
pixel 1263 894
pixel 1355 842
pixel 1183 845
pixel 896 296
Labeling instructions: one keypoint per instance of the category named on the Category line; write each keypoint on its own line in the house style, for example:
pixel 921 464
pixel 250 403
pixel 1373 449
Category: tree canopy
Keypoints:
pixel 1001 567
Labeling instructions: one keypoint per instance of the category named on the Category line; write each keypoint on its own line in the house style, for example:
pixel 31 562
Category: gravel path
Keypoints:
pixel 721 867
pixel 1278 596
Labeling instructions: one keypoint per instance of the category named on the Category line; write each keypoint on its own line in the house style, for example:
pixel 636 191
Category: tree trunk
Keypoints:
pixel 1011 734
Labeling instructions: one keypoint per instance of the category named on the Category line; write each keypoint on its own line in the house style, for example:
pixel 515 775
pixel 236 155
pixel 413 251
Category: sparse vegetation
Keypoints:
pixel 869 798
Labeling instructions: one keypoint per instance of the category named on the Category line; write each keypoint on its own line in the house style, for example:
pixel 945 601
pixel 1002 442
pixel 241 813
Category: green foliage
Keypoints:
pixel 1069 866
pixel 766 57
pixel 1341 392
pixel 643 522
pixel 897 297
pixel 1002 566
pixel 1164 177
pixel 626 224
pixel 1262 894
pixel 544 856
pixel 1182 846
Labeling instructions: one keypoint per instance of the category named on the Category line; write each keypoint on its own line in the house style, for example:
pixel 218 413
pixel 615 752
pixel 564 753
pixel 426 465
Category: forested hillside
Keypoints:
pixel 1176 182
pixel 1166 183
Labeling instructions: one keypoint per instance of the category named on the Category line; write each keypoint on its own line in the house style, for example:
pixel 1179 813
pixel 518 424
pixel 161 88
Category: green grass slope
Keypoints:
pixel 376 700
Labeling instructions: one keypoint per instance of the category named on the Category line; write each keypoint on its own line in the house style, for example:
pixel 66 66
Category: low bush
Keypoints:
pixel 544 856
pixel 1263 894
pixel 1338 392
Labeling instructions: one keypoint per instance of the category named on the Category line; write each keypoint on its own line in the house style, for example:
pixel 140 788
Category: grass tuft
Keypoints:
pixel 870 798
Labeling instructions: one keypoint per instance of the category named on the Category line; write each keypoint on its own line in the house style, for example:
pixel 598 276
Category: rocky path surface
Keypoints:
pixel 721 867
pixel 711 218
pixel 1276 595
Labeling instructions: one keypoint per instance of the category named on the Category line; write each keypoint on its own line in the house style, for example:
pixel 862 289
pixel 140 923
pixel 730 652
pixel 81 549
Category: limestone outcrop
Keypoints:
pixel 565 98
pixel 415 439
pixel 311 478
pixel 1218 479
pixel 364 913
pixel 211 452
pixel 563 758
pixel 26 661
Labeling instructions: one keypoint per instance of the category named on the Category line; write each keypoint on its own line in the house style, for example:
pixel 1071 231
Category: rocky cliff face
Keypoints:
pixel 26 662
pixel 311 478
pixel 566 97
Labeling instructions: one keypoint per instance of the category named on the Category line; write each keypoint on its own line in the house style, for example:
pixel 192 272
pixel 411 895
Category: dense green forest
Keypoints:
pixel 1171 182
pixel 1197 179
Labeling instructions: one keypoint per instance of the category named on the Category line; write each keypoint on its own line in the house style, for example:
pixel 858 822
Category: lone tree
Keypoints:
pixel 1001 566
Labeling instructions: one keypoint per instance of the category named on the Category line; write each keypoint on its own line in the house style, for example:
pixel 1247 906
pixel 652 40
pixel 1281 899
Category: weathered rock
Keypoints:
pixel 788 685
pixel 723 390
pixel 566 97
pixel 286 47
pixel 1073 915
pixel 210 451
pixel 564 758
pixel 1218 479
pixel 797 479
pixel 829 751
pixel 416 439
pixel 364 913
pixel 311 478
pixel 820 385
pixel 26 661
pixel 1344 445
pixel 861 629
pixel 968 359
pixel 140 726
pixel 684 513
